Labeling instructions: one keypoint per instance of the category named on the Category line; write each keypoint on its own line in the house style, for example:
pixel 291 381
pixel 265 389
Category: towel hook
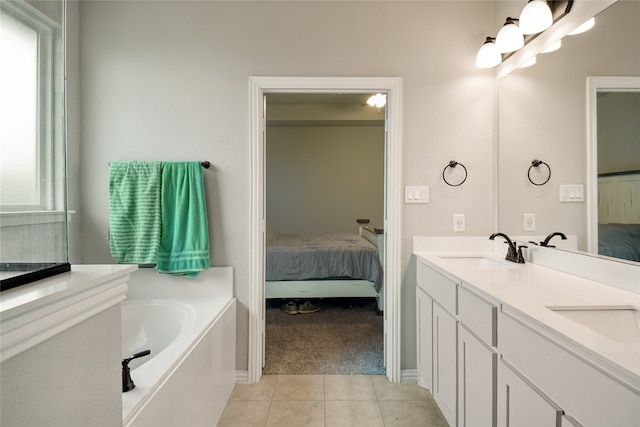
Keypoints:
pixel 534 164
pixel 452 164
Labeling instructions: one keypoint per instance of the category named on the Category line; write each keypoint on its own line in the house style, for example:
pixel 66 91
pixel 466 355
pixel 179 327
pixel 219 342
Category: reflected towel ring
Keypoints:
pixel 534 164
pixel 453 164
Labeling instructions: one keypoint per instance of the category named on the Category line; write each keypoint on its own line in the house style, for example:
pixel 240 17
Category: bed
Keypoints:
pixel 339 265
pixel 619 241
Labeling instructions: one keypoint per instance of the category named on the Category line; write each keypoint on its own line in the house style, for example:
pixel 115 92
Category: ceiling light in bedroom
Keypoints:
pixel 378 100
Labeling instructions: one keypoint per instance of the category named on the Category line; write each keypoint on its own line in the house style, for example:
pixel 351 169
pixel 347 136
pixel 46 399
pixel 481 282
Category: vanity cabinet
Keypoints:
pixel 445 362
pixel 456 337
pixel 585 392
pixel 521 404
pixel 437 338
pixel 477 360
pixel 424 335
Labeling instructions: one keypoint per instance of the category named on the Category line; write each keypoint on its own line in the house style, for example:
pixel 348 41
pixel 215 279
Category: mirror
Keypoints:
pixel 542 115
pixel 33 215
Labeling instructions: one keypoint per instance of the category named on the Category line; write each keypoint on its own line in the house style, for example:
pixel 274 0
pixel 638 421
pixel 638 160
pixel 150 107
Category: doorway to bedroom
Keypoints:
pixel 392 87
pixel 324 181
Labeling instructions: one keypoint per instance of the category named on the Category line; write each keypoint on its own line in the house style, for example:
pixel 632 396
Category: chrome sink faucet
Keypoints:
pixel 514 253
pixel 550 236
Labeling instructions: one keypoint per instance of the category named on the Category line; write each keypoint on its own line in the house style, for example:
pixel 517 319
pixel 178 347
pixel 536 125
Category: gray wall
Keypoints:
pixel 169 81
pixel 321 179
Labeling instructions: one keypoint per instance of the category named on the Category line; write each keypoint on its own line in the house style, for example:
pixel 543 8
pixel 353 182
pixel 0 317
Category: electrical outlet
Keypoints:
pixel 529 222
pixel 458 222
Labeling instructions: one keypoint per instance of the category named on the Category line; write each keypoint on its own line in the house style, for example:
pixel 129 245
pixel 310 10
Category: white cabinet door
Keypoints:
pixel 520 404
pixel 477 366
pixel 445 359
pixel 424 332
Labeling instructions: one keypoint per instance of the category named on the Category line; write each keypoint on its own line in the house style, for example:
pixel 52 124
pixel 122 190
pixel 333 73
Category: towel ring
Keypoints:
pixel 534 164
pixel 452 164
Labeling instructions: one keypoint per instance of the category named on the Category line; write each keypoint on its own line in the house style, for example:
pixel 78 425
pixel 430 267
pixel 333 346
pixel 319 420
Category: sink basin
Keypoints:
pixel 619 323
pixel 479 262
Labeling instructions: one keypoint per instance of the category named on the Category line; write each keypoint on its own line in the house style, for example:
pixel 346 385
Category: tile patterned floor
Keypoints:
pixel 330 401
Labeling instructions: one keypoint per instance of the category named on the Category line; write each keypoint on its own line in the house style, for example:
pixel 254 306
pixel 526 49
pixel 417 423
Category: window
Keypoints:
pixel 31 111
pixel 18 113
pixel 33 219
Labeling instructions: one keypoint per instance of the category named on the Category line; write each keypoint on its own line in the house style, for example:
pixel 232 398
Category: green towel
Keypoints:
pixel 184 245
pixel 134 211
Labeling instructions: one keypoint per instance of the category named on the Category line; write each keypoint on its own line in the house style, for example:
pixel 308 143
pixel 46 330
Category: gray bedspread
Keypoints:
pixel 323 256
pixel 619 240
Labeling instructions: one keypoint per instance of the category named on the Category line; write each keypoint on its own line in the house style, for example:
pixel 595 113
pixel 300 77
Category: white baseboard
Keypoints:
pixel 409 376
pixel 242 377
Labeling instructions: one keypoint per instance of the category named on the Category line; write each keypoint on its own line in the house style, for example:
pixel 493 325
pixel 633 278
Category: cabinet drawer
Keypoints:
pixel 438 286
pixel 478 314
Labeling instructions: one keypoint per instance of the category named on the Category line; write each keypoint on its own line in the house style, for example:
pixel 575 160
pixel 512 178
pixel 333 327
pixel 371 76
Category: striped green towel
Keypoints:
pixel 184 245
pixel 134 211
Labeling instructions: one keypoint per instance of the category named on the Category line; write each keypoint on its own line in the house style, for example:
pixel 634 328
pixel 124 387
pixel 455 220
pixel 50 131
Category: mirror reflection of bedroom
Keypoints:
pixel 324 242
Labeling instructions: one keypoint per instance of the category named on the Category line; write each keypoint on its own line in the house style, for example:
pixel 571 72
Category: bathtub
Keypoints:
pixel 189 375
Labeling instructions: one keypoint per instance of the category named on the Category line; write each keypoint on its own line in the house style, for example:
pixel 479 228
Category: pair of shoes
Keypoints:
pixel 305 308
pixel 308 307
pixel 290 307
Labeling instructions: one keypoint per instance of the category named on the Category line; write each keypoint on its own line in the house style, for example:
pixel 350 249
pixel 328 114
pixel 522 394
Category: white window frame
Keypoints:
pixel 50 132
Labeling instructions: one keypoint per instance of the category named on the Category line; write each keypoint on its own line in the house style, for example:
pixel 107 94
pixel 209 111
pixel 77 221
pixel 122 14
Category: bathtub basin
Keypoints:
pixel 152 325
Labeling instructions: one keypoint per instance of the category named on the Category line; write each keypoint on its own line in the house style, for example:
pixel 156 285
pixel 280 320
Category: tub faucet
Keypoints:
pixel 514 254
pixel 127 382
pixel 550 236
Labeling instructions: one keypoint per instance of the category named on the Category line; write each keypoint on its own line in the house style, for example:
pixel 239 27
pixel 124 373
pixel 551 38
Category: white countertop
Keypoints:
pixel 530 288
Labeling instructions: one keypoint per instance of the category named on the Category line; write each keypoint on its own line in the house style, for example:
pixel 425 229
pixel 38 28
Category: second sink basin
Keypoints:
pixel 619 323
pixel 479 262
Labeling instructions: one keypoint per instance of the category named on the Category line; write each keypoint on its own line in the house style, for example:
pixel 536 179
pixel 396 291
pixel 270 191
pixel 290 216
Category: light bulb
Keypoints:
pixel 509 37
pixel 557 45
pixel 535 17
pixel 378 100
pixel 488 56
pixel 528 63
pixel 584 27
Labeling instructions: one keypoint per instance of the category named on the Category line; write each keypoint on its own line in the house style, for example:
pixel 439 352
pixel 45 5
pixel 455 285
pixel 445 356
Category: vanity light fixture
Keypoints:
pixel 378 100
pixel 552 48
pixel 488 56
pixel 535 17
pixel 584 27
pixel 509 38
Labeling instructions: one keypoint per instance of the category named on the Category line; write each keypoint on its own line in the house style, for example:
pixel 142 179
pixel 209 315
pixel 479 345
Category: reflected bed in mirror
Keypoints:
pixel 543 115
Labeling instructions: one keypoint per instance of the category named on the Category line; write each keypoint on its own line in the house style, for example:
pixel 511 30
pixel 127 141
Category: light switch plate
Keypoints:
pixel 416 194
pixel 572 193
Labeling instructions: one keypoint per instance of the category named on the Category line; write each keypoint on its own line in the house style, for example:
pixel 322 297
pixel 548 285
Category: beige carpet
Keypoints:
pixel 334 340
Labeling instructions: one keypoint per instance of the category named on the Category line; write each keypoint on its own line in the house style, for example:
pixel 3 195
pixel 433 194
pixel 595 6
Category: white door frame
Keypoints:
pixel 594 85
pixel 392 86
